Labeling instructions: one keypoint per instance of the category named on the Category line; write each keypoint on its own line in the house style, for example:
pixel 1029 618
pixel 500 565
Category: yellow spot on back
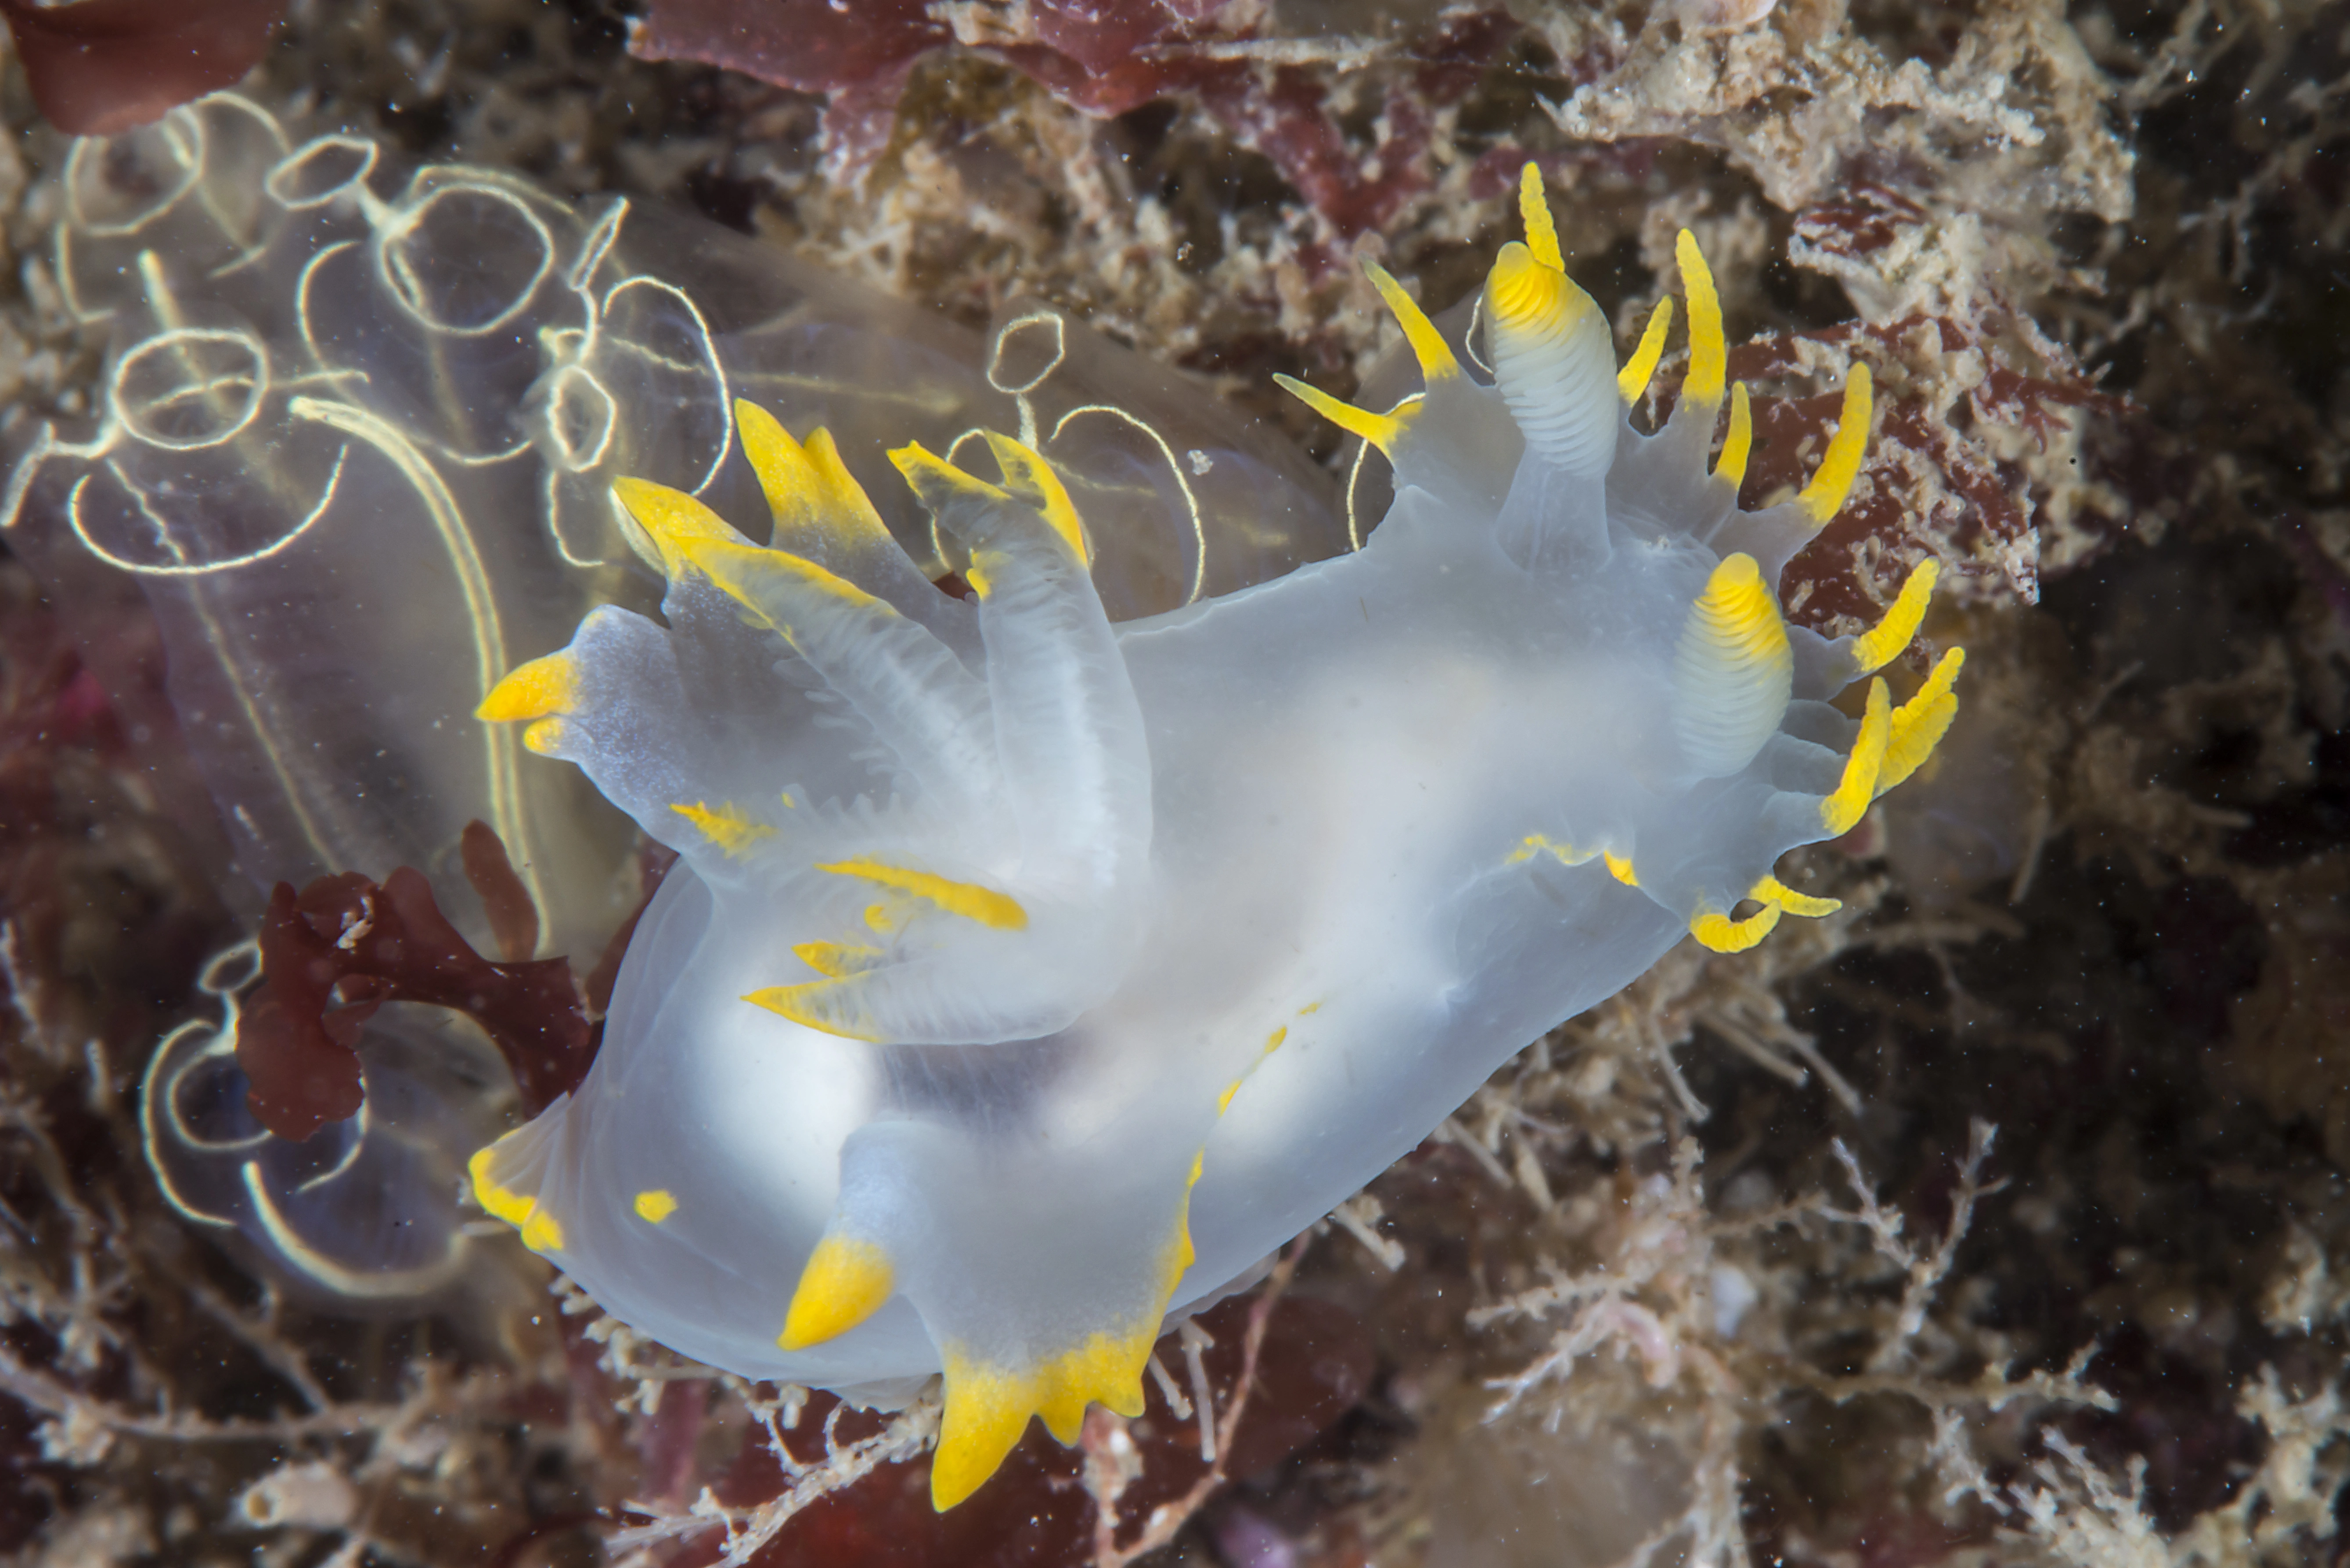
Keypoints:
pixel 1840 811
pixel 1620 869
pixel 1542 229
pixel 1382 431
pixel 1427 344
pixel 734 833
pixel 1919 724
pixel 1632 378
pixel 1709 349
pixel 533 691
pixel 845 1283
pixel 1273 1041
pixel 1875 649
pixel 1730 467
pixel 656 1204
pixel 1823 497
pixel 996 910
pixel 1309 1007
pixel 1224 1100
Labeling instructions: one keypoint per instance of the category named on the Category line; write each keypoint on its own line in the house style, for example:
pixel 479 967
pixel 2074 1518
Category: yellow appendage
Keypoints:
pixel 1533 210
pixel 1739 441
pixel 1840 811
pixel 734 833
pixel 540 1231
pixel 1875 649
pixel 1823 497
pixel 1427 344
pixel 997 911
pixel 1382 431
pixel 1708 347
pixel 1632 378
pixel 1919 724
pixel 845 1283
pixel 533 691
pixel 655 1205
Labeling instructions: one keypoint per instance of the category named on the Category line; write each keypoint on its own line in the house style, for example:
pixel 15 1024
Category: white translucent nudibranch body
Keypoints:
pixel 1028 976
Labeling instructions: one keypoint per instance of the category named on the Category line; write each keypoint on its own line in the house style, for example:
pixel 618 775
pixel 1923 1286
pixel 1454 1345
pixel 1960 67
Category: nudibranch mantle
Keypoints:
pixel 1027 976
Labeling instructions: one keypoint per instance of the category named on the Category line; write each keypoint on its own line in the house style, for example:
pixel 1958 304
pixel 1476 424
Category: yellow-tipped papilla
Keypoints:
pixel 672 521
pixel 1716 931
pixel 845 1282
pixel 1875 649
pixel 1382 431
pixel 1632 378
pixel 1919 724
pixel 1028 477
pixel 545 685
pixel 1730 467
pixel 1771 890
pixel 1437 361
pixel 1823 497
pixel 1708 347
pixel 818 508
pixel 1841 811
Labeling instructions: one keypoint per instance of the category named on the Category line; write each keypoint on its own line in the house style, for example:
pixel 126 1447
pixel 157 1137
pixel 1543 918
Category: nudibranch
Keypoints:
pixel 1028 976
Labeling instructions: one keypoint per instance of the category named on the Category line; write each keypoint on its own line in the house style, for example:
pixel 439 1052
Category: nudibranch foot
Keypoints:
pixel 1029 977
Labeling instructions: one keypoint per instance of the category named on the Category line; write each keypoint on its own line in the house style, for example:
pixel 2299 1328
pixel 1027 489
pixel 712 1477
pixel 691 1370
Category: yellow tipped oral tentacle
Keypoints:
pixel 1633 379
pixel 1709 349
pixel 1382 431
pixel 1919 725
pixel 1436 358
pixel 1823 497
pixel 544 686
